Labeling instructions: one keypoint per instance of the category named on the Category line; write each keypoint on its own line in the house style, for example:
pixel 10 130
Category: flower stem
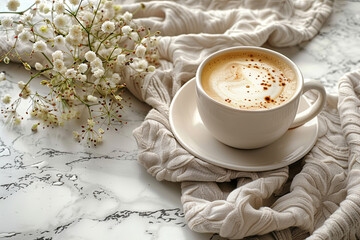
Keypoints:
pixel 86 30
pixel 47 59
pixel 22 12
pixel 32 77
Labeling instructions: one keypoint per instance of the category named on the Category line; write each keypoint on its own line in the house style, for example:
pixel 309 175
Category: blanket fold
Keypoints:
pixel 250 206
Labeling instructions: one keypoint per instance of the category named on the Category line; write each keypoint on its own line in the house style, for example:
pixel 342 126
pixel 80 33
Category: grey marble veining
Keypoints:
pixel 334 51
pixel 53 188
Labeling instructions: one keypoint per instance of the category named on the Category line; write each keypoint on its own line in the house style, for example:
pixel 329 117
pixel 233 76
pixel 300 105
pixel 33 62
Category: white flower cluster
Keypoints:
pixel 25 90
pixel 84 47
pixel 13 5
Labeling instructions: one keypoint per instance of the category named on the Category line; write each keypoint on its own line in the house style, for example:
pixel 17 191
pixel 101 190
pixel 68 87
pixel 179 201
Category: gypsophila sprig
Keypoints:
pixel 84 47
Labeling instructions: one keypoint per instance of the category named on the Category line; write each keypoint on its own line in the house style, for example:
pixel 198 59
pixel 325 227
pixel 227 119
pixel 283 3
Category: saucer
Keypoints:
pixel 191 133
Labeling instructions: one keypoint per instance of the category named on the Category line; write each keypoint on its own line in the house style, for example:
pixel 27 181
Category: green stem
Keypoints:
pixel 47 59
pixel 22 12
pixel 97 9
pixel 109 58
pixel 86 30
pixel 87 105
pixel 78 8
pixel 102 42
pixel 32 77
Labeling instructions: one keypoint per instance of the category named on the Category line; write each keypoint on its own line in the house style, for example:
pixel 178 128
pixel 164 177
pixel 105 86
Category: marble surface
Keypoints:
pixel 54 188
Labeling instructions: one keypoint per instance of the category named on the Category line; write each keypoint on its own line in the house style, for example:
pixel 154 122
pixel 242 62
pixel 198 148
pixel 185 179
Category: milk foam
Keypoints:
pixel 249 80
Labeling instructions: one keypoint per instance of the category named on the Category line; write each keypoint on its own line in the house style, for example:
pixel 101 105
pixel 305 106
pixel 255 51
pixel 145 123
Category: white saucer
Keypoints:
pixel 190 132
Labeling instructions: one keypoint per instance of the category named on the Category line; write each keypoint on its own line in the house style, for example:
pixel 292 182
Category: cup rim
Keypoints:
pixel 298 73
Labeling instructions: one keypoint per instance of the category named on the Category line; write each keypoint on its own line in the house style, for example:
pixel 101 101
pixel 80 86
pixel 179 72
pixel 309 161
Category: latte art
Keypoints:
pixel 248 81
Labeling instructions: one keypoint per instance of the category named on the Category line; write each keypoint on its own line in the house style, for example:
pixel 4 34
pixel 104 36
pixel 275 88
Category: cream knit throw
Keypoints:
pixel 317 198
pixel 323 199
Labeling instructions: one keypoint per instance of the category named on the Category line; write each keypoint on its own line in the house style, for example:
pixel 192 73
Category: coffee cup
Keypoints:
pixel 248 97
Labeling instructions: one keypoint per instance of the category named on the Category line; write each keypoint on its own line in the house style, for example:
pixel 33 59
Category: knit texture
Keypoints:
pixel 316 197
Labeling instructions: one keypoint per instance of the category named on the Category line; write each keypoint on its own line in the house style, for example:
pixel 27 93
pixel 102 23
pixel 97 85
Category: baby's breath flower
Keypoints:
pixel 140 65
pixel 2 76
pixel 99 73
pixel 108 5
pixel 33 113
pixel 126 29
pixel 57 55
pixel 6 22
pixel 117 8
pixel 128 16
pixel 153 42
pixel 39 46
pixel 61 21
pixel 88 16
pixel 74 2
pixel 59 40
pixel 69 40
pixel 26 17
pixel 108 27
pixel 59 65
pixel 76 135
pixel 116 78
pixel 6 60
pixel 34 127
pixel 140 51
pixel 91 98
pixel 90 56
pixel 117 97
pixel 94 59
pixel 21 84
pixel 82 77
pixel 109 14
pixel 97 63
pixel 27 66
pixel 99 139
pixel 70 73
pixel 24 36
pixel 6 99
pixel 41 7
pixel 134 36
pixel 19 28
pixel 17 121
pixel 121 59
pixel 59 7
pixel 44 82
pixel 43 29
pixel 91 123
pixel 46 10
pixel 13 5
pixel 34 11
pixel 25 90
pixel 151 68
pixel 82 67
pixel 75 31
pixel 72 41
pixel 39 66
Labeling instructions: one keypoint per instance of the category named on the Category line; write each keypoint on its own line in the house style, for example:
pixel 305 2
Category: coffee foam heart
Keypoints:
pixel 249 80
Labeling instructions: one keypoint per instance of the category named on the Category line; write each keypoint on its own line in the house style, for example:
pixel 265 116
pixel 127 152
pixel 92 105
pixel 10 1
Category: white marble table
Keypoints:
pixel 54 188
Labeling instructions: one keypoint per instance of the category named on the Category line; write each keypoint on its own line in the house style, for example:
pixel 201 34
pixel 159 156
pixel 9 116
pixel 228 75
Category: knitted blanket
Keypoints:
pixel 316 198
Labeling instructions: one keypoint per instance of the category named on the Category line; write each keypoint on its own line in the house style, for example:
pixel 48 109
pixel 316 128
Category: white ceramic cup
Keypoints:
pixel 249 129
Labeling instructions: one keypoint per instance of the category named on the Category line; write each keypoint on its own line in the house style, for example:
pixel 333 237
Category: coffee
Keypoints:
pixel 249 80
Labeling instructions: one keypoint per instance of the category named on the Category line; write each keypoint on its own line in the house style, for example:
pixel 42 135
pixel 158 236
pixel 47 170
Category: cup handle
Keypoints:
pixel 315 108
